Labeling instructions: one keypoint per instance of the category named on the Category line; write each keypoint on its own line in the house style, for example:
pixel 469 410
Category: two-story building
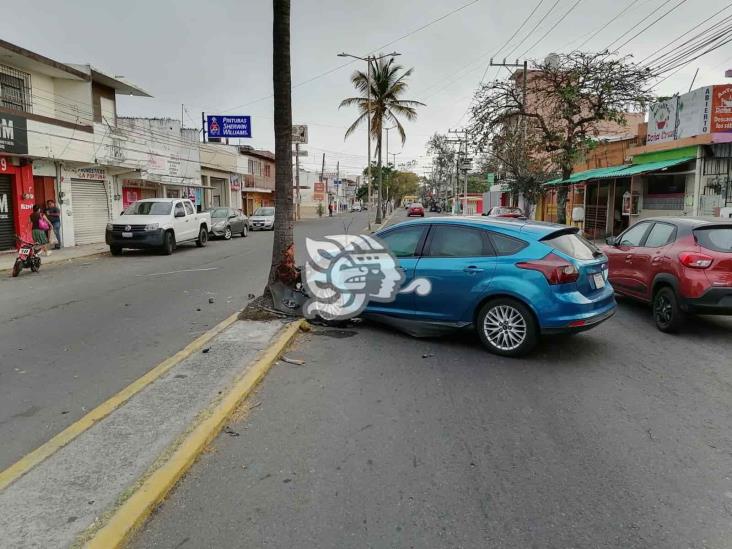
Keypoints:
pixel 259 180
pixel 52 117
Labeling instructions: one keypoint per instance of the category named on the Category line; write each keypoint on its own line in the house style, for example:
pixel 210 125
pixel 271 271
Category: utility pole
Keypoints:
pixel 338 186
pixel 465 188
pixel 297 181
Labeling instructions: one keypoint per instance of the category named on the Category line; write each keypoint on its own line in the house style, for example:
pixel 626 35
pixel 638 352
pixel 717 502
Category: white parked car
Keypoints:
pixel 262 218
pixel 356 208
pixel 158 223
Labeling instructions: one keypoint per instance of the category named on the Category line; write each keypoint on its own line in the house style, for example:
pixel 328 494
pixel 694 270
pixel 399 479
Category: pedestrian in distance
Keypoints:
pixel 40 225
pixel 330 209
pixel 53 213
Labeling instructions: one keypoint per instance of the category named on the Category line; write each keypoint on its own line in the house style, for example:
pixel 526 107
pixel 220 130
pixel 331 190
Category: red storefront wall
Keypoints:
pixel 23 196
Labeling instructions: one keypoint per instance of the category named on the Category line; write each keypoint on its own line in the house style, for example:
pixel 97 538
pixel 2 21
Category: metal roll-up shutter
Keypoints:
pixel 91 210
pixel 7 226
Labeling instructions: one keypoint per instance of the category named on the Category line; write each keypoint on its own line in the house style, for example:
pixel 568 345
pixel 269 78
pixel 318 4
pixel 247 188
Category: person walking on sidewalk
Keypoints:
pixel 330 209
pixel 53 213
pixel 40 225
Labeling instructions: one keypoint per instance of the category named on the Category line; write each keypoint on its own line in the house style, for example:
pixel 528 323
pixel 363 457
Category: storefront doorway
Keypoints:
pixel 91 210
pixel 7 223
pixel 44 189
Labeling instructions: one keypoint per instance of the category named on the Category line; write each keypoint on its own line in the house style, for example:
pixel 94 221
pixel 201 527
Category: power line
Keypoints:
pixel 598 31
pixel 639 23
pixel 533 29
pixel 550 29
pixel 691 46
pixel 650 25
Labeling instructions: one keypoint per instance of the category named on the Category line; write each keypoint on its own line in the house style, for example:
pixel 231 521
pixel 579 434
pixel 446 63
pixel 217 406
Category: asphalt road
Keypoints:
pixel 77 333
pixel 620 437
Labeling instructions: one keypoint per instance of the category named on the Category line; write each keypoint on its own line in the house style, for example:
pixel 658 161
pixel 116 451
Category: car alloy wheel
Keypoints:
pixel 244 232
pixel 504 327
pixel 202 239
pixel 666 311
pixel 227 233
pixel 168 243
pixel 507 327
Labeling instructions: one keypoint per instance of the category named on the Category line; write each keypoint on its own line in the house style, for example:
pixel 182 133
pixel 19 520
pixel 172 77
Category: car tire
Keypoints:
pixel 507 327
pixel 168 243
pixel 666 311
pixel 17 267
pixel 202 239
pixel 244 232
pixel 227 233
pixel 115 250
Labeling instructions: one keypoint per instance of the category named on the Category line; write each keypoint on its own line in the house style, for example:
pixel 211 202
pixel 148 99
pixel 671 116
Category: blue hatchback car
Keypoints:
pixel 511 280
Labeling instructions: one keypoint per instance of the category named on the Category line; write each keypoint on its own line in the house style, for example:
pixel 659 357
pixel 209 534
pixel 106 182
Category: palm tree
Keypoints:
pixel 387 85
pixel 282 267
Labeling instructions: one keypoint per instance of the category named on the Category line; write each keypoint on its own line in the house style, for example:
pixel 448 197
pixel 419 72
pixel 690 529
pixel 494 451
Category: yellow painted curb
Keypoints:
pixel 135 510
pixel 27 462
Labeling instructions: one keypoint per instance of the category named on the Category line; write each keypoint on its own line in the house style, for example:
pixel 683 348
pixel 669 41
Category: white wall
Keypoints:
pixel 73 101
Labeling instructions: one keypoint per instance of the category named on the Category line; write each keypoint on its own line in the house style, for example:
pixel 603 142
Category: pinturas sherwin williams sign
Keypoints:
pixel 229 126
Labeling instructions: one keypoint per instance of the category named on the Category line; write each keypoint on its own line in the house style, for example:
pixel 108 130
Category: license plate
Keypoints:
pixel 599 280
pixel 126 235
pixel 24 252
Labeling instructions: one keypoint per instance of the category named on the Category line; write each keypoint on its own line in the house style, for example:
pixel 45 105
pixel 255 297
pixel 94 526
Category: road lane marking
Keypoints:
pixel 47 449
pixel 181 271
pixel 135 510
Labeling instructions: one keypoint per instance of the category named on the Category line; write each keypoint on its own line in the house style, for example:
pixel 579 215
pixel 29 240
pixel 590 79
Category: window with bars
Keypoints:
pixel 15 89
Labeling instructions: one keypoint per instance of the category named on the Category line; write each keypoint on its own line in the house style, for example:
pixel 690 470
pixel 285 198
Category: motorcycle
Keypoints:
pixel 28 257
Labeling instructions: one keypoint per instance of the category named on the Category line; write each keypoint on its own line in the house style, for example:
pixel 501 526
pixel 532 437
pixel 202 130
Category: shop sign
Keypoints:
pixel 229 126
pixel 694 110
pixel 300 135
pixel 662 121
pixel 13 134
pixel 318 190
pixel 88 174
pixel 722 109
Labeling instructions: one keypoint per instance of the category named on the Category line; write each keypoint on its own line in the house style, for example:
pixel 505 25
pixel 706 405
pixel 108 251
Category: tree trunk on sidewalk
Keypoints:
pixel 562 192
pixel 283 249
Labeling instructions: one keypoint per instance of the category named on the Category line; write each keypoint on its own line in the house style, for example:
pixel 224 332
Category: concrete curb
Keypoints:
pixel 59 261
pixel 30 460
pixel 137 508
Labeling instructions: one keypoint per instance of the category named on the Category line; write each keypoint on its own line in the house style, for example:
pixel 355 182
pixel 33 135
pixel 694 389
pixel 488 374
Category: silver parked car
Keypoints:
pixel 226 222
pixel 262 218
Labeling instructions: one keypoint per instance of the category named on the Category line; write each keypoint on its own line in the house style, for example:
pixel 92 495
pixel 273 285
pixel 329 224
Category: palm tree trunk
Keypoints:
pixel 283 248
pixel 379 213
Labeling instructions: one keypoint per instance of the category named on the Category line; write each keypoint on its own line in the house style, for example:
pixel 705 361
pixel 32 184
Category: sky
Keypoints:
pixel 216 56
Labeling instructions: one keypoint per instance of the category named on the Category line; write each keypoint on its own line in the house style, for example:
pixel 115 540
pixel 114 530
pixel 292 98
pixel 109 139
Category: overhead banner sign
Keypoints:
pixel 13 134
pixel 693 112
pixel 229 126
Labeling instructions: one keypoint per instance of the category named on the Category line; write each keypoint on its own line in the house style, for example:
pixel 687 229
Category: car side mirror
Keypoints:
pixel 180 214
pixel 611 241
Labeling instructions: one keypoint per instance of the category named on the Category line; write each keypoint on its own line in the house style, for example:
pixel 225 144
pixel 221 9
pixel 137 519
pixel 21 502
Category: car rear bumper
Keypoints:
pixel 580 324
pixel 715 301
pixel 138 241
pixel 218 231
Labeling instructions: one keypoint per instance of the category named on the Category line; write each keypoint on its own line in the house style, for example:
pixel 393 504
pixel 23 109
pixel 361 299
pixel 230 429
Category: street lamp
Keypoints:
pixel 368 60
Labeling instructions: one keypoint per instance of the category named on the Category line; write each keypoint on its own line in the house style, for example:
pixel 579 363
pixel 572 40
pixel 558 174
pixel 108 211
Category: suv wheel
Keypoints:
pixel 202 239
pixel 506 327
pixel 115 250
pixel 168 243
pixel 227 233
pixel 244 231
pixel 666 311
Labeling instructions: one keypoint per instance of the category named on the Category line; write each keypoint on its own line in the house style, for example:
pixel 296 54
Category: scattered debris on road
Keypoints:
pixel 428 355
pixel 255 405
pixel 229 431
pixel 295 361
pixel 206 350
pixel 211 300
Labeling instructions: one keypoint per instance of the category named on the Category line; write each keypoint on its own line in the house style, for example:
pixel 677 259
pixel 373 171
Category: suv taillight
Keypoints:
pixel 695 260
pixel 554 268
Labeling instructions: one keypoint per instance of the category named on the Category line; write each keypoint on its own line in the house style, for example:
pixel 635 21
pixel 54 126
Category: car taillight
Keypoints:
pixel 695 260
pixel 555 269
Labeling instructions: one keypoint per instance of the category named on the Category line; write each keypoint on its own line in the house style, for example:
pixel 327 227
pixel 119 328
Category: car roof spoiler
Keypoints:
pixel 559 232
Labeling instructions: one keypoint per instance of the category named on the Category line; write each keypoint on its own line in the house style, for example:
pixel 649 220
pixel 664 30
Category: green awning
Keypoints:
pixel 620 171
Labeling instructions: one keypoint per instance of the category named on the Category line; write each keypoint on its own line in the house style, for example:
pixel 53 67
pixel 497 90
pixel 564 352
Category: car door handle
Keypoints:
pixel 473 269
pixel 629 256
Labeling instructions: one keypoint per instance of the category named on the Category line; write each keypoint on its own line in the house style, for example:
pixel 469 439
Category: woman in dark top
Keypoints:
pixel 39 233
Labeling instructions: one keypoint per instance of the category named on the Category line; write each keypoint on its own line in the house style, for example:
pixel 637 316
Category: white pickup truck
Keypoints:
pixel 158 223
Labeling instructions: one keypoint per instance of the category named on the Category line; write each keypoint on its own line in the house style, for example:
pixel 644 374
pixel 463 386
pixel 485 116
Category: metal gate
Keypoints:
pixel 91 210
pixel 7 225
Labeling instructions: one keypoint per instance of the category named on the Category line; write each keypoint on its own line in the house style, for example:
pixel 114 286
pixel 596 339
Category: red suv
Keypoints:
pixel 680 265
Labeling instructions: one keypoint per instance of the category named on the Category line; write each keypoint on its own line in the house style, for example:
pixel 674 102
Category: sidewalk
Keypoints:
pixel 148 437
pixel 64 254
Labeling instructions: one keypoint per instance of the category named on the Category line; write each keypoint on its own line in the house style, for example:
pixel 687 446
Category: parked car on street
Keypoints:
pixel 504 211
pixel 680 265
pixel 158 223
pixel 435 208
pixel 228 221
pixel 356 208
pixel 510 280
pixel 262 218
pixel 415 208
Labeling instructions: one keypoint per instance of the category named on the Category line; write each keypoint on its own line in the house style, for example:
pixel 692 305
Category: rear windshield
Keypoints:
pixel 264 211
pixel 416 205
pixel 717 239
pixel 574 245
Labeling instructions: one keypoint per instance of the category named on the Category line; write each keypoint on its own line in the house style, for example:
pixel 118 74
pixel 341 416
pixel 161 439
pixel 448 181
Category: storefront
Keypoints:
pixel 253 199
pixel 17 193
pixel 219 191
pixel 90 202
